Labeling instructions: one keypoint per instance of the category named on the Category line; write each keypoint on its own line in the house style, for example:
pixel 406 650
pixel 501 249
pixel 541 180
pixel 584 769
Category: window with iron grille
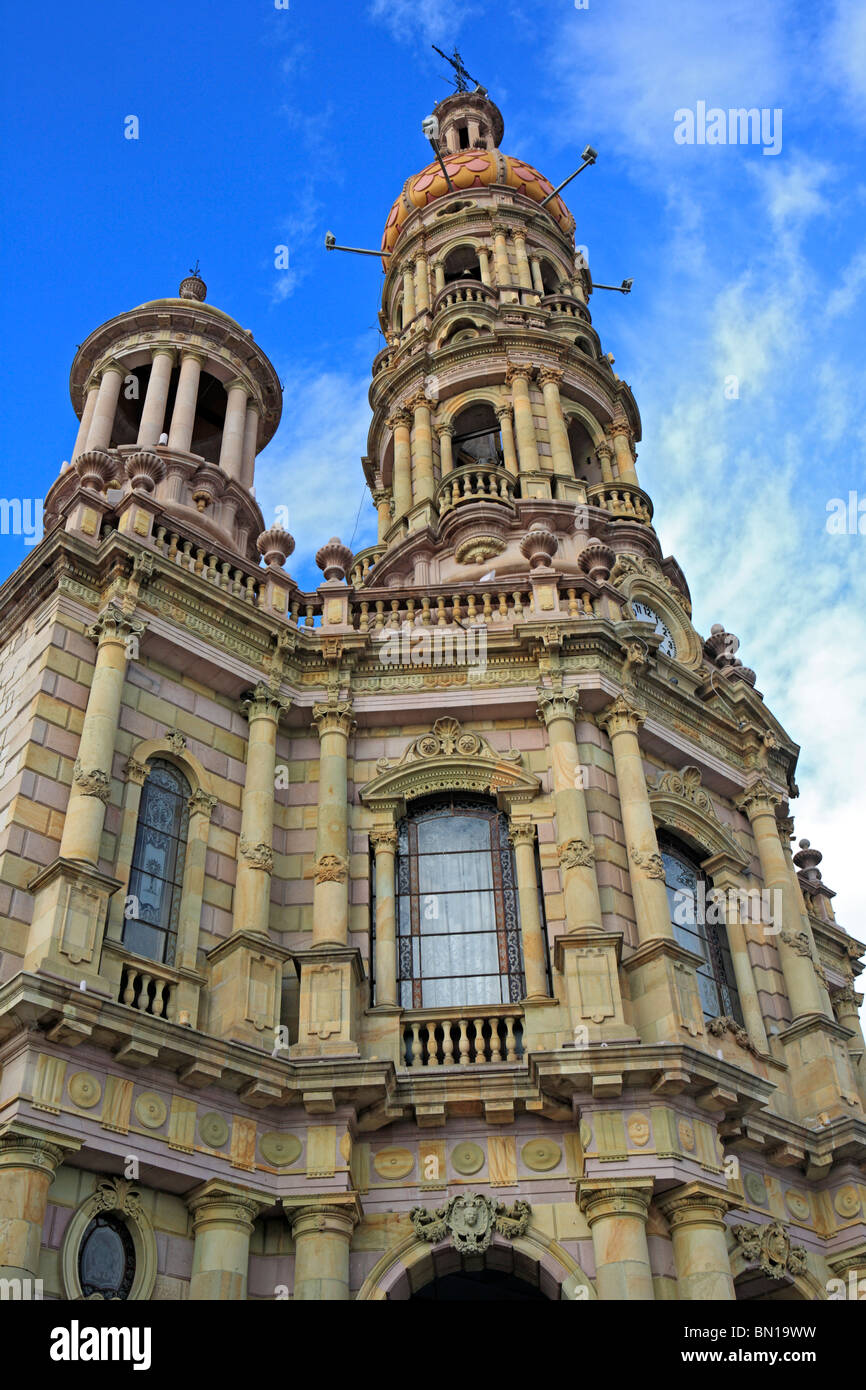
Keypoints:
pixel 709 940
pixel 158 859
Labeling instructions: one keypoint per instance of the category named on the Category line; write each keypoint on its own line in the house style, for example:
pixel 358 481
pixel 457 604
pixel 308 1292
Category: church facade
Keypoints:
pixel 436 933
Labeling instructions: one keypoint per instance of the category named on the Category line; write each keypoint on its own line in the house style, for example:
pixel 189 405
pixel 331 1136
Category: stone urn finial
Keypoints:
pixel 334 559
pixel 275 546
pixel 807 859
pixel 193 286
pixel 538 545
pixel 144 470
pixel 94 468
pixel 597 560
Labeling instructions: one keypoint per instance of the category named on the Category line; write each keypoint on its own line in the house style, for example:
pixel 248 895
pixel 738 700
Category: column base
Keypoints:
pixel 246 975
pixel 328 1023
pixel 69 916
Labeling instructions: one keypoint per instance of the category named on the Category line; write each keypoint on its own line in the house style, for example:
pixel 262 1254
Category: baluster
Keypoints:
pixel 447 1044
pixel 503 606
pixel 487 615
pixel 432 1046
pixel 587 605
pixel 129 991
pixel 364 625
pixel 295 612
pixel 463 1042
pixel 212 563
pixel 159 998
pixel 144 996
pixel 495 1046
pixel 199 560
pixel 410 611
pixel 394 619
pixel 455 608
pixel 186 557
pixel 455 492
pixel 504 488
pixel 425 612
pixel 172 546
pixel 573 605
pixel 225 578
pixel 380 614
pixel 160 537
pixel 510 1041
pixel 471 614
pixel 480 1044
pixel 168 1000
pixel 237 580
pixel 518 603
pixel 251 592
pixel 308 615
pixel 417 1046
pixel 441 621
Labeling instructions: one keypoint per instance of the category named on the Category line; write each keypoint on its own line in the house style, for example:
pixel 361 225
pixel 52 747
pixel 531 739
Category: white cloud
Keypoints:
pixel 844 54
pixel 429 21
pixel 845 296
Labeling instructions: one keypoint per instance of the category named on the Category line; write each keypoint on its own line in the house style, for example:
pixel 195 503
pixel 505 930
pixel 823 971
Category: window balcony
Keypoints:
pixel 476 482
pixel 463 1036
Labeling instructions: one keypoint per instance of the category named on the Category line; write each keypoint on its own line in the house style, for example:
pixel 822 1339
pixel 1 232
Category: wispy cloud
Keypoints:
pixel 427 21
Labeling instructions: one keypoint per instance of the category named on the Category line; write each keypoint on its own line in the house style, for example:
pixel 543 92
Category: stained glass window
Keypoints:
pixel 458 929
pixel 690 906
pixel 106 1259
pixel 158 859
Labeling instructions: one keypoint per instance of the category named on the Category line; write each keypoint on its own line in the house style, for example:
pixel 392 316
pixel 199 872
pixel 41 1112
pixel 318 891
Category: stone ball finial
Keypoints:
pixel 94 467
pixel 144 470
pixel 334 559
pixel 538 545
pixel 716 629
pixel 597 560
pixel 275 545
pixel 193 287
pixel 807 859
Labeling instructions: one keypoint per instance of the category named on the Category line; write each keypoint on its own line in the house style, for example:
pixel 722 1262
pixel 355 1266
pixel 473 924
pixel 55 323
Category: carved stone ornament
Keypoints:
pixel 596 560
pixel 770 1248
pixel 334 559
pixel 450 756
pixel 798 941
pixel 471 1220
pixel 643 565
pixel 760 796
pixel 622 715
pixel 202 801
pixel 384 839
pixel 576 854
pixel 686 784
pixel 476 549
pixel 331 869
pixel 144 470
pixel 92 782
pixel 116 1194
pixel 650 865
pixel 176 741
pixel 538 545
pixel 259 856
pixel 723 1024
pixel 334 716
pixel 275 546
pixel 136 772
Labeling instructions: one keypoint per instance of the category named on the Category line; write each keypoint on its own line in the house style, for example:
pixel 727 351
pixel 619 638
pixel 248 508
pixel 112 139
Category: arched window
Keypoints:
pixel 158 859
pixel 106 1258
pixel 692 914
pixel 477 437
pixel 583 452
pixel 551 278
pixel 462 264
pixel 457 918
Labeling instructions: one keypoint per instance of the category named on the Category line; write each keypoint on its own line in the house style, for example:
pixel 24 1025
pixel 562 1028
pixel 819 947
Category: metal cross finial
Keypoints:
pixel 194 270
pixel 463 78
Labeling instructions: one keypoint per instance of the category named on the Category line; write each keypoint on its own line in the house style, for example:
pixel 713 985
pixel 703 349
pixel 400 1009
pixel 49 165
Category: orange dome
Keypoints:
pixel 470 169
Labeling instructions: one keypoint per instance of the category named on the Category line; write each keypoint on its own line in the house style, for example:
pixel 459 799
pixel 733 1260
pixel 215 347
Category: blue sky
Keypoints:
pixel 262 126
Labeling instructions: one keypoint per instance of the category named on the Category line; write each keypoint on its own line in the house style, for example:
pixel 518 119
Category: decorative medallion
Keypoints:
pixel 85 1090
pixel 576 854
pixel 770 1248
pixel 331 868
pixel 797 1205
pixel 541 1155
pixel 470 1220
pixel 280 1149
pixel 686 1131
pixel 756 1189
pixel 467 1158
pixel 394 1163
pixel 638 1127
pixel 847 1200
pixel 213 1130
pixel 151 1110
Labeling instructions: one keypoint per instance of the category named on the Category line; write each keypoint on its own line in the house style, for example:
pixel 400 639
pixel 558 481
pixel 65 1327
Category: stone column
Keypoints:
pixel 422 449
pixel 522 837
pixel 518 378
pixel 102 423
pixel 322 1236
pixel 222 1221
pixel 382 502
pixel 524 274
pixel 156 396
pixel 576 847
pixel 696 1214
pixel 727 880
pixel 550 377
pixel 616 1211
pixel 622 719
pixel 86 420
pixel 399 422
pixel 446 458
pixel 252 896
pixel 408 292
pixel 484 264
pixel 438 275
pixel 604 454
pixel 505 415
pixel 234 428
pixel 185 401
pixel 535 268
pixel 620 431
pixel 422 284
pixel 28 1161
pixel 91 778
pixel 201 808
pixel 331 893
pixel 251 438
pixel 384 842
pixel 759 803
pixel 846 1006
pixel 500 257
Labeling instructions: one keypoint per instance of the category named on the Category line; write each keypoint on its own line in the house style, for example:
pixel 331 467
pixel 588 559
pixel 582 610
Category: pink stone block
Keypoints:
pixel 527 739
pixel 71 692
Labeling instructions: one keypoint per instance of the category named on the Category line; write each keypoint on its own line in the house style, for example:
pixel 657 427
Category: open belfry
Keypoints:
pixel 439 933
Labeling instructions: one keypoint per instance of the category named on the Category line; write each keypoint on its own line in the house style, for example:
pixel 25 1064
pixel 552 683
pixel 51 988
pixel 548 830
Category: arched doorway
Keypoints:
pixel 540 1266
pixel 479 1286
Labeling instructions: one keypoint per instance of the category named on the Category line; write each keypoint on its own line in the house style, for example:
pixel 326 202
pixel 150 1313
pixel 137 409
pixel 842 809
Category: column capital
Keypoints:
pixel 604 449
pixel 238 385
pixel 334 716
pixel 328 1218
pixel 164 350
pixel 408 264
pixel 518 371
pixel 217 1201
pixel 380 495
pixel 263 703
pixel 620 715
pixel 521 832
pixel 759 798
pixel 384 840
pixel 419 400
pixel 112 366
pixel 615 1197
pixel 201 803
pixel 620 426
pixel 113 625
pixel 556 704
pixel 550 375
pixel 505 410
pixel 697 1204
pixel 22 1147
pixel 446 428
pixel 501 229
pixel 399 418
pixel 136 772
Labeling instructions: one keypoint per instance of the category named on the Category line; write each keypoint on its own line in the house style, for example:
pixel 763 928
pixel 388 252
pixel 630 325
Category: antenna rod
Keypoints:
pixel 331 245
pixel 589 156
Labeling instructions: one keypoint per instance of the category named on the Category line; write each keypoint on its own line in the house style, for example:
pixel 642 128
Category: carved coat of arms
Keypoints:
pixel 471 1219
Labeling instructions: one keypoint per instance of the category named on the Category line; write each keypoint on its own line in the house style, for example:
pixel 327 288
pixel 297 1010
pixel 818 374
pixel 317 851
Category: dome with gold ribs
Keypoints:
pixel 469 169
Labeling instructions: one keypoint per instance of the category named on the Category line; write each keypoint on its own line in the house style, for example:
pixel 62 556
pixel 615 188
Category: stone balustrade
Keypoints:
pixel 201 560
pixel 463 1037
pixel 146 988
pixel 475 482
pixel 461 292
pixel 623 500
pixel 363 563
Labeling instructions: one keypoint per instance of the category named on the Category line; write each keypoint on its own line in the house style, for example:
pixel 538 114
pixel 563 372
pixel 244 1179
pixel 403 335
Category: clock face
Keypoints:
pixel 645 614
